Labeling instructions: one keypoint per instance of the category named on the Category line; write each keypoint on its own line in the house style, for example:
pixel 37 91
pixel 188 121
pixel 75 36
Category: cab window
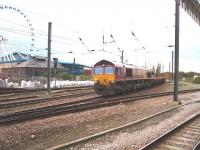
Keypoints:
pixel 109 70
pixel 98 70
pixel 118 71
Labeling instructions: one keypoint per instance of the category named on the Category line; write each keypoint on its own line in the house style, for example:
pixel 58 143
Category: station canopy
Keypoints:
pixel 192 7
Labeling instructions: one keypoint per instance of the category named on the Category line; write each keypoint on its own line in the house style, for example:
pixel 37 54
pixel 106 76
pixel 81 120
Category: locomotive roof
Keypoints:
pixel 106 62
pixel 118 64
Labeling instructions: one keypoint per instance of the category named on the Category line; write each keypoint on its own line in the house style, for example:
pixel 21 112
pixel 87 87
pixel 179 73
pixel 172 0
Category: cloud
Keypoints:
pixel 152 23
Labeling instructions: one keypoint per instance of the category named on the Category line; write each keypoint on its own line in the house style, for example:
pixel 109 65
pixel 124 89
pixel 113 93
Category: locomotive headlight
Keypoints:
pixel 95 79
pixel 110 79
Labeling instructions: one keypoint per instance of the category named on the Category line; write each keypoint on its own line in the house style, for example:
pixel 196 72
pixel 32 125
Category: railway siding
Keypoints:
pixel 76 106
pixel 57 130
pixel 115 134
pixel 184 136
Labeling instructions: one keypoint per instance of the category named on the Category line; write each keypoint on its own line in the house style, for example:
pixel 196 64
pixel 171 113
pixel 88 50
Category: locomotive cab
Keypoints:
pixel 104 77
pixel 103 74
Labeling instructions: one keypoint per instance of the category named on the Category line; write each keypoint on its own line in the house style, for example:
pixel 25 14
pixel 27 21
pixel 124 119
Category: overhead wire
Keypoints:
pixel 42 49
pixel 41 32
pixel 82 42
pixel 142 46
pixel 35 31
pixel 26 33
pixel 43 35
pixel 114 41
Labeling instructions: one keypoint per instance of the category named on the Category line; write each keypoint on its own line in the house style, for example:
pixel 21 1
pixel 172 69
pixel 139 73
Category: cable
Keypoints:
pixel 40 32
pixel 115 43
pixel 53 36
pixel 8 21
pixel 143 48
pixel 84 44
pixel 25 47
pixel 21 32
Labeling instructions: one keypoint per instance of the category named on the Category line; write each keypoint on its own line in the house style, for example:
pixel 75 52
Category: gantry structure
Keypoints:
pixel 192 7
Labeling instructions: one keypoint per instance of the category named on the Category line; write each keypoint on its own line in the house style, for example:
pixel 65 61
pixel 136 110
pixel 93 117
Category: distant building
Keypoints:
pixel 76 69
pixel 27 67
pixel 87 71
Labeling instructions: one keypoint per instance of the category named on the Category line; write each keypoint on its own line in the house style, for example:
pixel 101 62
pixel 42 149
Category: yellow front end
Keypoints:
pixel 104 79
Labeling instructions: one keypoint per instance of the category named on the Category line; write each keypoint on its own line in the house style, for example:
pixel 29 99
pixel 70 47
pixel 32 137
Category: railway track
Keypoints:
pixel 76 106
pixel 14 102
pixel 47 111
pixel 5 92
pixel 105 135
pixel 185 136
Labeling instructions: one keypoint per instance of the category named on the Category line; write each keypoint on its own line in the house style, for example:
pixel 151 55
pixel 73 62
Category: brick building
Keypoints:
pixel 32 67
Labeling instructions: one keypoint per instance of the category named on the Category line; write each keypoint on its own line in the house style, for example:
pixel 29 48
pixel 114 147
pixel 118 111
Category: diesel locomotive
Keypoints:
pixel 112 78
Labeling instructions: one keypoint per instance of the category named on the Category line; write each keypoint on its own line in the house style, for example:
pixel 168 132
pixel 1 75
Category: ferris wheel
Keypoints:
pixel 22 32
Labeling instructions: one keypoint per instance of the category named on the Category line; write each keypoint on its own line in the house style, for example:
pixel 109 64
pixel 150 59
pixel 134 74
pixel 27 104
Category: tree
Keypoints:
pixel 158 69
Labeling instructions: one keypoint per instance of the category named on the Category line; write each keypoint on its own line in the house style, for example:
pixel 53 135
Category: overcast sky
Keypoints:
pixel 151 21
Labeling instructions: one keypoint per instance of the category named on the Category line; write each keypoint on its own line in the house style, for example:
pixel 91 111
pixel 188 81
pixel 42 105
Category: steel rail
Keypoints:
pixel 161 139
pixel 197 146
pixel 16 91
pixel 77 142
pixel 39 100
pixel 72 107
pixel 47 111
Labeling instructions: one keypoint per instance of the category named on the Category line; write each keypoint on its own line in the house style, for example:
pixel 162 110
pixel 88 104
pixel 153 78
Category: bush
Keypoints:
pixel 189 79
pixel 196 80
pixel 64 76
pixel 84 77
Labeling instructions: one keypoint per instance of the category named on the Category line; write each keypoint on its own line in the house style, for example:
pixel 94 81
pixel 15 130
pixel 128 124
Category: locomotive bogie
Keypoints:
pixel 105 90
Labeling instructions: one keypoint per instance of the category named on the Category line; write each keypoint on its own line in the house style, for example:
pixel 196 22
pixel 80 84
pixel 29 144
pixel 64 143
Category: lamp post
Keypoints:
pixel 49 58
pixel 169 72
pixel 176 68
pixel 55 60
pixel 172 66
pixel 176 77
pixel 73 69
pixel 172 77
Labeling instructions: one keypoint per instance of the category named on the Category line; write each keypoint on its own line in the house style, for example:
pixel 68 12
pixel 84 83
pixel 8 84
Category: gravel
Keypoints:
pixel 44 133
pixel 136 140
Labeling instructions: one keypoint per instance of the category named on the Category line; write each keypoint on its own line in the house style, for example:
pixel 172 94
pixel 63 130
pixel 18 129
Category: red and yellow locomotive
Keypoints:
pixel 111 78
